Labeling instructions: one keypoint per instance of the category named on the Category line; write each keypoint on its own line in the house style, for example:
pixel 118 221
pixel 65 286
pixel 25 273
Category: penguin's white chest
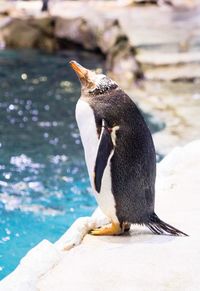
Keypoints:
pixel 88 132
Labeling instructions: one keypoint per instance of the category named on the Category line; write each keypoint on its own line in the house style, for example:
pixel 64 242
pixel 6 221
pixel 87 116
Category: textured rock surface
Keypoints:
pixel 76 30
pixel 30 33
pixel 161 37
pixel 177 105
pixel 139 261
pixel 36 263
pixel 77 23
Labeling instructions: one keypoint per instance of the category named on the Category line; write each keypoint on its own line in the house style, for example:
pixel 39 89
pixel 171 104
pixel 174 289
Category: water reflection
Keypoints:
pixel 43 179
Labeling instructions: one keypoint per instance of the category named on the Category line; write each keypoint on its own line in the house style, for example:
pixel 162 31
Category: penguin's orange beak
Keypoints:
pixel 85 75
pixel 80 70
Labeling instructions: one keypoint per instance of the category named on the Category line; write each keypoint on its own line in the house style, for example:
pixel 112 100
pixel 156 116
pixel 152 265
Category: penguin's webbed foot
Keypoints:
pixel 109 229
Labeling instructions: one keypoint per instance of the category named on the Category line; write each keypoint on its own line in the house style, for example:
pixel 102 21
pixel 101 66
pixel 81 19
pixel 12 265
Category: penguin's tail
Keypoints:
pixel 158 226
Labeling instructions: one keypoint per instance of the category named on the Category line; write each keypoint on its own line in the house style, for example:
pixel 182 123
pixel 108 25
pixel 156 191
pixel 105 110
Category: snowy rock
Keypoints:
pixel 79 229
pixel 37 262
pixel 139 261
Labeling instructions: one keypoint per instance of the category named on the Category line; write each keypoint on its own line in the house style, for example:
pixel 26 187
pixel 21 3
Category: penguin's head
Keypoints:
pixel 93 84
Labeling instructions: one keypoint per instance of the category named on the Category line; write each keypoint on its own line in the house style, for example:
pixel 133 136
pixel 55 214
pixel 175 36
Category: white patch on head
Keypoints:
pixel 103 80
pixel 99 79
pixel 102 83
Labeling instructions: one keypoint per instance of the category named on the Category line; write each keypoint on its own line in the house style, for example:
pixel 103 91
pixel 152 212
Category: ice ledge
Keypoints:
pixel 140 261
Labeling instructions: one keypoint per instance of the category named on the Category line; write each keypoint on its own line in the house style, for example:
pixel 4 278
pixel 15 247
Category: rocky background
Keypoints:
pixel 150 47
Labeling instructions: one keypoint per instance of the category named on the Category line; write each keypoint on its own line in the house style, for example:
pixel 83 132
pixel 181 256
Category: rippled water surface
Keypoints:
pixel 43 180
pixel 44 185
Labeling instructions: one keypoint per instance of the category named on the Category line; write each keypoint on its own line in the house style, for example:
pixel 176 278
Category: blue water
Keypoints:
pixel 44 185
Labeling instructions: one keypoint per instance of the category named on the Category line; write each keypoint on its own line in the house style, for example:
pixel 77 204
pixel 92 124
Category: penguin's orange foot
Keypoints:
pixel 110 229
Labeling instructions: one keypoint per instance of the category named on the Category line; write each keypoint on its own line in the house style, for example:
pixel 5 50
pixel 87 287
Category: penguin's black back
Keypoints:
pixel 133 165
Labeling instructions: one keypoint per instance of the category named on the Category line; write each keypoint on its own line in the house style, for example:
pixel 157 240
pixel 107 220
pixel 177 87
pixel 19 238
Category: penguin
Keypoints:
pixel 119 154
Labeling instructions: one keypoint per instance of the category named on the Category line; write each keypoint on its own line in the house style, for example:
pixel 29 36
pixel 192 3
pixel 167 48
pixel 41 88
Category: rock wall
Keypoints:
pixel 89 30
pixel 30 33
pixel 160 43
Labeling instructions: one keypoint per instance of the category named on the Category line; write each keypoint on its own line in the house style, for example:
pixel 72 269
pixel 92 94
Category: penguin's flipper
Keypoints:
pixel 105 151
